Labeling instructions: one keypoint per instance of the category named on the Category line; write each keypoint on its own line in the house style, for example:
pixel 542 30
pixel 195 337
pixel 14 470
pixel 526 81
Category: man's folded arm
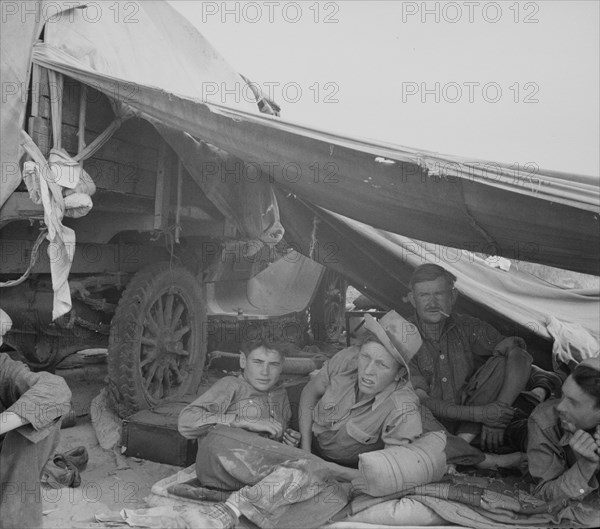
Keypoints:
pixel 548 467
pixel 38 398
pixel 208 410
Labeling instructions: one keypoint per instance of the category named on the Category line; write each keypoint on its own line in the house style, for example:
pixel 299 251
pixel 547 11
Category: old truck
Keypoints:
pixel 196 182
pixel 112 238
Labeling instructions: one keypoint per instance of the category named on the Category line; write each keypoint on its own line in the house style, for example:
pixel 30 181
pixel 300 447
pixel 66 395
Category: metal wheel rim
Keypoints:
pixel 166 344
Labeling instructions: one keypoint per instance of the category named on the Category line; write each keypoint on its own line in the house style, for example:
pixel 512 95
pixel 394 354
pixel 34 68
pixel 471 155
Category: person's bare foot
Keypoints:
pixel 512 460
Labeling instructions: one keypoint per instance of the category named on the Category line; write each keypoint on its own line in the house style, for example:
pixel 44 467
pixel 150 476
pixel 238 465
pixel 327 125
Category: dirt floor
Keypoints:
pixel 111 481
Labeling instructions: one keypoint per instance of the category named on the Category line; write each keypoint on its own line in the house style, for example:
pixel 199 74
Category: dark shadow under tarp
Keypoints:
pixel 380 263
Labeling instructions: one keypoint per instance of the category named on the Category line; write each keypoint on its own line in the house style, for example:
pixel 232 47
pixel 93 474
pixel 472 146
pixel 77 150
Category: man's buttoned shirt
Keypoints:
pixel 232 398
pixel 346 426
pixel 443 367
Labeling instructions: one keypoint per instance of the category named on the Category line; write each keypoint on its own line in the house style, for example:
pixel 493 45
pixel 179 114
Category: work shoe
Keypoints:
pixel 78 456
pixel 58 473
pixel 216 516
pixel 62 470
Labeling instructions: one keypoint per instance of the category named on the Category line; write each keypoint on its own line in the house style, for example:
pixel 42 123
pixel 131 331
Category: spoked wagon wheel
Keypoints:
pixel 157 346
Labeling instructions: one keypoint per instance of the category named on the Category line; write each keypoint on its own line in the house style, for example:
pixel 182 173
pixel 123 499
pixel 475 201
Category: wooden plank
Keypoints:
pixel 122 151
pixel 161 204
pixel 88 258
pixel 118 165
pixel 125 178
pixel 36 76
pixel 56 105
pixel 178 204
pixel 116 150
pixel 82 118
pixel 41 133
pixel 122 202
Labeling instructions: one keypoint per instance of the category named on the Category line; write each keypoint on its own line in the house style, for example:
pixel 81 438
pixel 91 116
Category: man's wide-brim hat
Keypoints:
pixel 399 337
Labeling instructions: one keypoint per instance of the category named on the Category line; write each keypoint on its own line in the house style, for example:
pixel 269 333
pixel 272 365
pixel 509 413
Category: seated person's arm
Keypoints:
pixel 311 394
pixel 38 398
pixel 404 424
pixel 218 406
pixel 494 414
pixel 210 409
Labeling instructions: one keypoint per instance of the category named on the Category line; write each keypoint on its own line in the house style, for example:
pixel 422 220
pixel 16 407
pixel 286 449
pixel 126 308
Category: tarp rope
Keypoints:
pixel 32 261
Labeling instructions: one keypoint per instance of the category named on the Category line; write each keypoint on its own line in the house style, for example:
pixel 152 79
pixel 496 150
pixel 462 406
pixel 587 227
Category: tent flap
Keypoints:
pixel 385 186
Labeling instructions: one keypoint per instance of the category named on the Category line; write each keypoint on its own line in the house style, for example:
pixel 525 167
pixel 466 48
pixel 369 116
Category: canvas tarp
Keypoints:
pixel 16 43
pixel 141 43
pixel 146 43
pixel 380 264
pixel 547 218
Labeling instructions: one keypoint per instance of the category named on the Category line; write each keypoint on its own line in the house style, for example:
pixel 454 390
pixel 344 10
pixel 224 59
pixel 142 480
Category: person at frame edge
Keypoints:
pixel 360 401
pixel 480 385
pixel 564 443
pixel 31 409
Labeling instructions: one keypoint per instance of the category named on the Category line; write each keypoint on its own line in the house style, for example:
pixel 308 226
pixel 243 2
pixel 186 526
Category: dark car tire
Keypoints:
pixel 157 344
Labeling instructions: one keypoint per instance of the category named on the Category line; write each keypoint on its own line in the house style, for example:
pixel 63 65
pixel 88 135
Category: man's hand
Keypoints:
pixel 496 414
pixel 491 438
pixel 291 437
pixel 585 446
pixel 273 428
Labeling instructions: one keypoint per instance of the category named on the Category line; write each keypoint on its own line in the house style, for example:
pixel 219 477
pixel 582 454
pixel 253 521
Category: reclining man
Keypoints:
pixel 467 373
pixel 31 407
pixel 564 443
pixel 361 402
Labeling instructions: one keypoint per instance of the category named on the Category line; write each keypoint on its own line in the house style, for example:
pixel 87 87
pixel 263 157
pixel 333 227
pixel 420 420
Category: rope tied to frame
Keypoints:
pixel 32 260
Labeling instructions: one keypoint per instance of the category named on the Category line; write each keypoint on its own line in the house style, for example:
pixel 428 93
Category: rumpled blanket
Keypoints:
pixel 489 503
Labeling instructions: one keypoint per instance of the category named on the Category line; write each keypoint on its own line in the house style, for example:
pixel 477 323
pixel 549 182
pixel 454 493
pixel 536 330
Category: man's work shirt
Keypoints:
pixel 232 398
pixel 442 368
pixel 551 460
pixel 40 398
pixel 345 427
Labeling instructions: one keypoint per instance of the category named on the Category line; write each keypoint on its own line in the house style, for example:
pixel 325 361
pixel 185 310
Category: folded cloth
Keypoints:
pixel 62 470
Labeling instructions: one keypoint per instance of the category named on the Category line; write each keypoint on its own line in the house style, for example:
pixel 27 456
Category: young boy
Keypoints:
pixel 252 401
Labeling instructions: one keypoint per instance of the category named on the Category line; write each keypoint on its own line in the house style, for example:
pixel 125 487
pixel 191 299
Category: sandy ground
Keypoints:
pixel 111 481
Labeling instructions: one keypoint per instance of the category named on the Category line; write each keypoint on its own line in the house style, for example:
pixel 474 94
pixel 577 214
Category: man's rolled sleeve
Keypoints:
pixel 39 398
pixel 404 424
pixel 570 484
